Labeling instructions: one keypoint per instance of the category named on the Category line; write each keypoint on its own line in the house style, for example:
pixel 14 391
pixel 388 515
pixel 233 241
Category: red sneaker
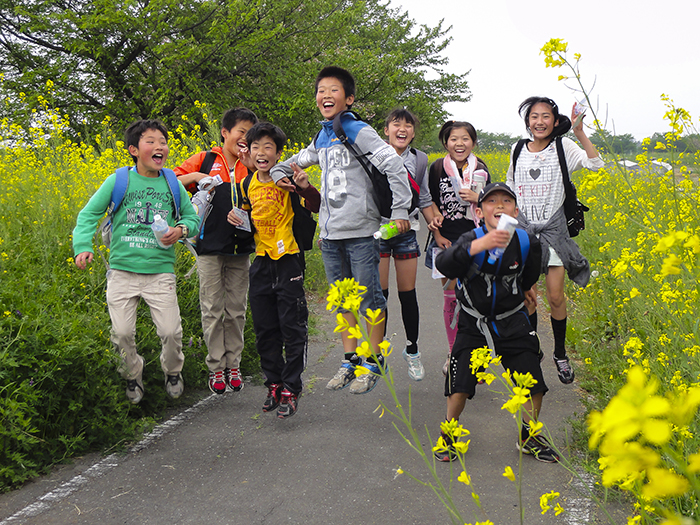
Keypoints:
pixel 233 379
pixel 217 383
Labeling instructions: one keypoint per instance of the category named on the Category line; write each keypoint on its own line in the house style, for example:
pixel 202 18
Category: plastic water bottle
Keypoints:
pixel 387 231
pixel 160 227
pixel 508 223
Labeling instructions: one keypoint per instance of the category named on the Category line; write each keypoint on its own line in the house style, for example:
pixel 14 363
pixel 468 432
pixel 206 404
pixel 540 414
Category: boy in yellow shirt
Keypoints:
pixel 277 298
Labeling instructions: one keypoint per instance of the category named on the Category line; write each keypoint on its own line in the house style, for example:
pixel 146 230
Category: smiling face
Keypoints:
pixel 151 153
pixel 400 134
pixel 541 121
pixel 459 145
pixel 330 97
pixel 494 205
pixel 234 138
pixel 264 154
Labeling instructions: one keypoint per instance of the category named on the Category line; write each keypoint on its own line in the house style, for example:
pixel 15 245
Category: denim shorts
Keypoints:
pixel 357 258
pixel 403 246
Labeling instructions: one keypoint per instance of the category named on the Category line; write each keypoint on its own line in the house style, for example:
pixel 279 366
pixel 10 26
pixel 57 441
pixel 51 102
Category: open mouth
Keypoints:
pixel 158 157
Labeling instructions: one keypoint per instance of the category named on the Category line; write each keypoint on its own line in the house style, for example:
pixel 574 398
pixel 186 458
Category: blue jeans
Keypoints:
pixel 357 258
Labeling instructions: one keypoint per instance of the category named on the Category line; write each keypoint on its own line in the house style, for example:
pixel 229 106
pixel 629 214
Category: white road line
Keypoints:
pixel 65 489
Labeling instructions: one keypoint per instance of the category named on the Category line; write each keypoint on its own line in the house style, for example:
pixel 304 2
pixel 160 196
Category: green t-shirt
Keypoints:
pixel 134 247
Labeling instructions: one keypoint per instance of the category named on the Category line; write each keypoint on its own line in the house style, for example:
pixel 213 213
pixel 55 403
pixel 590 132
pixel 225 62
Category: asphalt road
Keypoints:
pixel 224 461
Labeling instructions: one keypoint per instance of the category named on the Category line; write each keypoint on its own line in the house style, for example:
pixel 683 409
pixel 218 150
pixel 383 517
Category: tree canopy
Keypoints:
pixel 134 59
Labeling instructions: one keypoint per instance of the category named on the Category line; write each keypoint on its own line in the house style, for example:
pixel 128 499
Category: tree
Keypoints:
pixel 154 58
pixel 621 144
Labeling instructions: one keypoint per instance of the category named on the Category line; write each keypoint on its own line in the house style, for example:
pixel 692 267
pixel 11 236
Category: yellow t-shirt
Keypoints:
pixel 271 211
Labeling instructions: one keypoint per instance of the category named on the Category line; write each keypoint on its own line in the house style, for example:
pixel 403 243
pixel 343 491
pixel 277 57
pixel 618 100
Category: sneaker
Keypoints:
pixel 217 382
pixel 343 377
pixel 134 387
pixel 174 385
pixel 448 453
pixel 288 404
pixel 366 382
pixel 539 447
pixel 233 379
pixel 564 369
pixel 415 367
pixel 273 397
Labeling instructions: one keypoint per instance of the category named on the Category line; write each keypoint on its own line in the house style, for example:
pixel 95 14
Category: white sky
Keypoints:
pixel 633 50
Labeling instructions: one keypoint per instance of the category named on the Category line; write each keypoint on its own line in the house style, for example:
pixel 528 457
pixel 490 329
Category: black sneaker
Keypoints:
pixel 288 404
pixel 273 397
pixel 564 369
pixel 539 447
pixel 448 453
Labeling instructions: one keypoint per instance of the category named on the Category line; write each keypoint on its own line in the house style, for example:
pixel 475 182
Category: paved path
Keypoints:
pixel 224 461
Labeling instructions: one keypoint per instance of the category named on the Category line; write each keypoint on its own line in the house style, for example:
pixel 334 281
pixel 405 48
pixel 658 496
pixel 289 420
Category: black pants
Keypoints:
pixel 280 318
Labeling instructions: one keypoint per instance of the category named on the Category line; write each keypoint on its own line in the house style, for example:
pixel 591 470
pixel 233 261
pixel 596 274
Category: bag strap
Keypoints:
pixel 174 186
pixel 421 162
pixel 568 186
pixel 207 162
pixel 517 150
pixel 119 191
pixel 340 133
pixel 479 258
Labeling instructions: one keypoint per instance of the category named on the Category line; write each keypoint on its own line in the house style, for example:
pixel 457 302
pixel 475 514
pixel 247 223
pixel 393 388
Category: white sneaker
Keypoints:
pixel 415 367
pixel 174 385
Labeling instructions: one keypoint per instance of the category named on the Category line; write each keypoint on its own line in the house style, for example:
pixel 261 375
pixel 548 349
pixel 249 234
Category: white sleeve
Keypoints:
pixel 576 157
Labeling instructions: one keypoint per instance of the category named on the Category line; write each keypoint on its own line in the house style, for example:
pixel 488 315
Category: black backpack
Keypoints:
pixel 573 208
pixel 383 196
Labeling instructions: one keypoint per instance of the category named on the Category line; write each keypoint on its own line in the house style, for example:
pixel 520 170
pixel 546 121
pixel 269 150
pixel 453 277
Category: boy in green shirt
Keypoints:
pixel 139 267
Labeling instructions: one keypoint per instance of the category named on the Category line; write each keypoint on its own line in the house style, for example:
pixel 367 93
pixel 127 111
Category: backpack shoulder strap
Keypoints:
pixel 421 162
pixel 524 240
pixel 120 185
pixel 516 152
pixel 245 185
pixel 340 133
pixel 562 164
pixel 207 162
pixel 174 186
pixel 479 258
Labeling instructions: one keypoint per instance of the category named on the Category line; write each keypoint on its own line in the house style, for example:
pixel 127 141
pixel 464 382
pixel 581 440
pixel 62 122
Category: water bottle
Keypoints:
pixel 387 231
pixel 508 223
pixel 160 227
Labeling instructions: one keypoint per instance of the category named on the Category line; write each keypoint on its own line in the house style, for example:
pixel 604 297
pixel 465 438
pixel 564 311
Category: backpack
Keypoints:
pixel 303 224
pixel 383 196
pixel 119 191
pixel 573 208
pixel 421 166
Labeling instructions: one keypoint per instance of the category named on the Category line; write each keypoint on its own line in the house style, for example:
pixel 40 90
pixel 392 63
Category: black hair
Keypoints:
pixel 448 126
pixel 401 114
pixel 236 115
pixel 133 133
pixel 345 77
pixel 266 129
pixel 562 126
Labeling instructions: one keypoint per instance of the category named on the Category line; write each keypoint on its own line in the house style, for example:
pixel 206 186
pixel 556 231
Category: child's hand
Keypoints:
pixel 403 225
pixel 436 223
pixel 531 300
pixel 468 195
pixel 82 259
pixel 301 178
pixel 286 184
pixel 173 235
pixel 234 219
pixel 441 241
pixel 576 119
pixel 493 239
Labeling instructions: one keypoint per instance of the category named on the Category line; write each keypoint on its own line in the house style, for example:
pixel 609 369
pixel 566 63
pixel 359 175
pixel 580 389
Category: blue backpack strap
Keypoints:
pixel 479 258
pixel 174 186
pixel 119 190
pixel 524 239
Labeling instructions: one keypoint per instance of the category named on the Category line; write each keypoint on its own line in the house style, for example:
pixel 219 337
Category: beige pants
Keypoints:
pixel 124 290
pixel 223 296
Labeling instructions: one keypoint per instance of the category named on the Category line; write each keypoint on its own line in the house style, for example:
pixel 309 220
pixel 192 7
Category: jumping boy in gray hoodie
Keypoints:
pixel 349 215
